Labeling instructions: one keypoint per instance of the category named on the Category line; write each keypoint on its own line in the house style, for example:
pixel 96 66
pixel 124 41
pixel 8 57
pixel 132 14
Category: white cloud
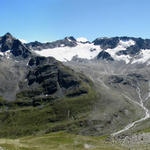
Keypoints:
pixel 23 41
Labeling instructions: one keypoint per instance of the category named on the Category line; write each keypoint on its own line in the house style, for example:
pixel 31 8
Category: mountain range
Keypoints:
pixel 94 88
pixel 23 72
pixel 127 49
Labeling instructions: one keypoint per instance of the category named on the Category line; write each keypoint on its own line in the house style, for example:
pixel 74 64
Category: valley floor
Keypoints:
pixel 59 141
pixel 66 141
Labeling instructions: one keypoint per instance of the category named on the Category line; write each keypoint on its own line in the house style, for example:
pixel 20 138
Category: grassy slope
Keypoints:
pixel 63 114
pixel 59 141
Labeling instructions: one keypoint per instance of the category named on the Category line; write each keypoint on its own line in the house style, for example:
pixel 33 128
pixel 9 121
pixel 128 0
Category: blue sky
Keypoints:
pixel 48 20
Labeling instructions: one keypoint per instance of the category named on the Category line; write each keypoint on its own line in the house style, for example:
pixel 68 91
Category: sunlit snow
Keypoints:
pixel 6 54
pixel 1 53
pixel 67 53
pixel 143 56
pixel 123 45
pixel 90 51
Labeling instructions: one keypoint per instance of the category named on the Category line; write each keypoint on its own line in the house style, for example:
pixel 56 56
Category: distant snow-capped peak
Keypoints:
pixel 82 39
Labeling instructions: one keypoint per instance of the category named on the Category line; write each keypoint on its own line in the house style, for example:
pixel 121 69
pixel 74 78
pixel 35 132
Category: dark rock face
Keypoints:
pixel 68 41
pixel 39 60
pixel 137 77
pixel 44 74
pixel 122 52
pixel 20 50
pixel 106 43
pixel 111 43
pixel 47 76
pixel 8 42
pixel 140 44
pixel 104 56
pixel 66 80
pixel 130 79
pixel 115 79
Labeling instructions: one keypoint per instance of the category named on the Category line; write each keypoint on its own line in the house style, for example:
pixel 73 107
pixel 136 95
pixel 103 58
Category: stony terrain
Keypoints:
pixel 131 84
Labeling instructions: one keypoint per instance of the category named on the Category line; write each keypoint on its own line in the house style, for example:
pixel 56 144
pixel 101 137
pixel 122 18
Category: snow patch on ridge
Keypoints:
pixel 6 54
pixel 82 39
pixel 1 53
pixel 143 57
pixel 123 45
pixel 69 39
pixel 126 44
pixel 67 53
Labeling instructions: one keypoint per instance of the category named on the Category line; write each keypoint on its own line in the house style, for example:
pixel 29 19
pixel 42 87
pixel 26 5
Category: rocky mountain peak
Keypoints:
pixel 104 56
pixel 70 38
pixel 16 47
pixel 67 41
pixel 8 35
pixel 6 42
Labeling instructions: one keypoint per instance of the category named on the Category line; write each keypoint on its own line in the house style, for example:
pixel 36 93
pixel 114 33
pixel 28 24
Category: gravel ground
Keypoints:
pixel 134 142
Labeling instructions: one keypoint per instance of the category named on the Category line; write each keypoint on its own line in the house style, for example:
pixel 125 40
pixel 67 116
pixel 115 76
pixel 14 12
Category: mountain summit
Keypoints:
pixel 13 46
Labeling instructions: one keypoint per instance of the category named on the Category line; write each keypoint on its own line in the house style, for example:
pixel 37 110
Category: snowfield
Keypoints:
pixel 143 57
pixel 82 50
pixel 87 50
pixel 123 45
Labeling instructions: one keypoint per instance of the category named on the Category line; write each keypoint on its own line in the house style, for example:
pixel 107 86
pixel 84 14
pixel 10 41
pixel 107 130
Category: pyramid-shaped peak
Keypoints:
pixel 70 38
pixel 8 36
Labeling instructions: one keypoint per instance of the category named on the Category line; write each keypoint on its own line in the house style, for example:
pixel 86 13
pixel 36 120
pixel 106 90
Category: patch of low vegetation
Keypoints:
pixel 59 141
pixel 38 116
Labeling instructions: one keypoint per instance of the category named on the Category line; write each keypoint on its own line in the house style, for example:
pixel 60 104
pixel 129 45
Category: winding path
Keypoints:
pixel 147 115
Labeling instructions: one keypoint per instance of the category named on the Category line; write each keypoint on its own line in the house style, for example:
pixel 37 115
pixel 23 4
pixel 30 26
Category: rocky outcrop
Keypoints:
pixel 68 41
pixel 47 76
pixel 104 56
pixel 106 43
pixel 16 47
